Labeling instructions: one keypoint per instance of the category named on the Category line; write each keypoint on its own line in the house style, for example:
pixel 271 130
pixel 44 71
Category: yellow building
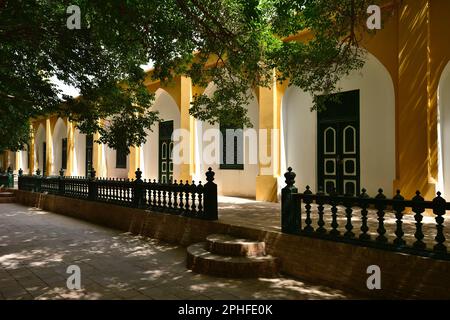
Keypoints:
pixel 392 130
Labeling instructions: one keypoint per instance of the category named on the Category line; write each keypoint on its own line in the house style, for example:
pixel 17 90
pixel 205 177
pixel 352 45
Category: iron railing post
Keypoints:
pixel 19 179
pixel 61 186
pixel 10 177
pixel 210 197
pixel 38 181
pixel 290 208
pixel 92 185
pixel 137 189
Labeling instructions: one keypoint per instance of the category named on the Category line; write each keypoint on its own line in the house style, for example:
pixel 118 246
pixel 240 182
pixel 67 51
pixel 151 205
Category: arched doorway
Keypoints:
pixel 59 147
pixel 444 132
pixel 232 180
pixel 157 151
pixel 376 122
pixel 40 153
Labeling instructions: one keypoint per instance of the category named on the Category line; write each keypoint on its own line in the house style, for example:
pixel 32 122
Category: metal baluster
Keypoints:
pixel 181 188
pixel 170 189
pixel 439 210
pixel 129 194
pixel 175 196
pixel 348 214
pixel 320 211
pixel 398 208
pixel 154 194
pixel 418 210
pixel 307 201
pixel 145 194
pixel 164 197
pixel 118 189
pixel 364 228
pixel 334 224
pixel 121 189
pixel 186 205
pixel 200 198
pixel 380 213
pixel 113 190
pixel 193 196
pixel 158 192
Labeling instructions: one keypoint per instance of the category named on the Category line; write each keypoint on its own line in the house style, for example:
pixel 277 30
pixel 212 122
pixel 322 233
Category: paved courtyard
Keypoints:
pixel 36 248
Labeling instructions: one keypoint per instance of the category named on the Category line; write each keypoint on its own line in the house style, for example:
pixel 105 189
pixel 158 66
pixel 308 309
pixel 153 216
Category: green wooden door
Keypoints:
pixel 338 145
pixel 165 151
pixel 89 154
pixel 44 158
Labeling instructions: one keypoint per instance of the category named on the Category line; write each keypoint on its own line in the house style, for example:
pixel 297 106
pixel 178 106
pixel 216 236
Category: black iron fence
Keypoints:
pixel 333 217
pixel 187 199
pixel 7 179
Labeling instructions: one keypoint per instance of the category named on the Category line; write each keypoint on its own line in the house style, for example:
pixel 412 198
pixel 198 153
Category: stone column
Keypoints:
pixel 49 128
pixel 269 100
pixel 97 157
pixel 31 159
pixel 70 148
pixel 17 161
pixel 414 163
pixel 187 122
pixel 134 161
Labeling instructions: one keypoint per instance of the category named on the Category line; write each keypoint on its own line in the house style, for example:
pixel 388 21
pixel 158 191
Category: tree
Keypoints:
pixel 236 44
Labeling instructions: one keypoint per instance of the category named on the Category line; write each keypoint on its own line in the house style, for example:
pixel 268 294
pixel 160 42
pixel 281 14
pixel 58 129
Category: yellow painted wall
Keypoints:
pixel 439 51
pixel 414 47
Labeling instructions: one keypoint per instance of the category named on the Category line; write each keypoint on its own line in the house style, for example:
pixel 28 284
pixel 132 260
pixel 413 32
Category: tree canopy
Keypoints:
pixel 235 44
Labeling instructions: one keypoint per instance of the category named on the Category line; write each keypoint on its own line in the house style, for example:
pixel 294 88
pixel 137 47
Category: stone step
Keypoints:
pixel 200 260
pixel 8 200
pixel 6 194
pixel 223 244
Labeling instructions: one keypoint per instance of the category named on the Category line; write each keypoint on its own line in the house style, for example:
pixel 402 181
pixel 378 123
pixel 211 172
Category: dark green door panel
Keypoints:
pixel 338 136
pixel 165 151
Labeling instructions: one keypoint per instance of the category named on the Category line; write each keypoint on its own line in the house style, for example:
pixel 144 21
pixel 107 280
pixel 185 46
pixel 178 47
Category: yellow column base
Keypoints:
pixel 266 188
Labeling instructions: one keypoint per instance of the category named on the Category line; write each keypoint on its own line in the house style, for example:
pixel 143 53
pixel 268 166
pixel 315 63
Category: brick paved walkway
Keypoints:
pixel 36 247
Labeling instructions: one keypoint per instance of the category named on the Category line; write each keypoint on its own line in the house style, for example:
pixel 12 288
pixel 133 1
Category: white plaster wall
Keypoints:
pixel 103 171
pixel 12 160
pixel 79 154
pixel 239 183
pixel 298 138
pixel 24 161
pixel 110 162
pixel 444 132
pixel 377 125
pixel 168 110
pixel 39 139
pixel 59 133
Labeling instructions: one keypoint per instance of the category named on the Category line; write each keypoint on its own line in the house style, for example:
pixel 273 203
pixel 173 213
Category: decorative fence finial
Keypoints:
pixel 418 210
pixel 93 172
pixel 398 208
pixel 290 177
pixel 439 204
pixel 364 194
pixel 38 172
pixel 138 174
pixel 61 172
pixel 210 175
